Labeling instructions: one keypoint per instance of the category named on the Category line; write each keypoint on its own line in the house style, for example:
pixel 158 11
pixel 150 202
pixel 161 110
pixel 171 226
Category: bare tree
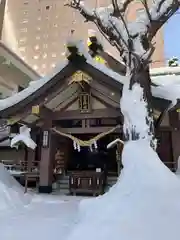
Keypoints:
pixel 133 40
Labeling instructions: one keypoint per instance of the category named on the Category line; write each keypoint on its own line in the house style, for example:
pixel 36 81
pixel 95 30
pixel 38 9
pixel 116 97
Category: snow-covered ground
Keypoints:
pixel 45 218
pixel 143 205
pixel 31 216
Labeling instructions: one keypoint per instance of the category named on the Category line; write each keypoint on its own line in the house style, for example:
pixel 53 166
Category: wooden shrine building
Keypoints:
pixel 73 116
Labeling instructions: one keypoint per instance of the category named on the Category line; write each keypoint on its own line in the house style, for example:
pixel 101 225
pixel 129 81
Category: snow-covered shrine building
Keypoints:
pixel 73 115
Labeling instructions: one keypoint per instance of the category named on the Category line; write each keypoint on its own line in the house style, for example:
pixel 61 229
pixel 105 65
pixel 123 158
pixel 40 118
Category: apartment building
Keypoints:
pixel 37 31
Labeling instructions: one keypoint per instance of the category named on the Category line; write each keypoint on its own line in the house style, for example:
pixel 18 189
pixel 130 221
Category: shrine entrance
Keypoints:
pixel 87 167
pixel 93 158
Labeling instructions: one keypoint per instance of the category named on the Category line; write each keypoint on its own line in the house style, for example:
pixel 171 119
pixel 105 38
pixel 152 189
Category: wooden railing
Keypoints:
pixel 30 173
pixel 21 166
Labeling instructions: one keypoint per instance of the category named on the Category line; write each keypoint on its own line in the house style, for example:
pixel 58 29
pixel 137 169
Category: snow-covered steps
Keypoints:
pixel 62 185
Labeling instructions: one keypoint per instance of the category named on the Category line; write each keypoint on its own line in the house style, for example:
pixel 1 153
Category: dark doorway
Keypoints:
pixel 91 160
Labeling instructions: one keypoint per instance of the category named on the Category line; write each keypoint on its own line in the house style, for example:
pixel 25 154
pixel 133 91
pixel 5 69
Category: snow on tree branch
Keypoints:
pixel 115 9
pixel 134 43
pixel 134 37
pixel 160 12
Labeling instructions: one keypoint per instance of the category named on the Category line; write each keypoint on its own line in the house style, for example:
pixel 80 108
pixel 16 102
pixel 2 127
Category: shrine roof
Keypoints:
pixel 37 92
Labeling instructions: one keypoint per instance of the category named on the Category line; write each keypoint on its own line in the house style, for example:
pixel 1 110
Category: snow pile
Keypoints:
pixel 143 205
pixel 25 137
pixel 11 192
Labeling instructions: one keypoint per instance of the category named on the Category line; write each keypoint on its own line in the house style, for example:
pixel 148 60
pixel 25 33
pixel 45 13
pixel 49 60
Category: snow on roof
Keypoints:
pixel 165 71
pixel 172 92
pixel 35 85
pixel 165 80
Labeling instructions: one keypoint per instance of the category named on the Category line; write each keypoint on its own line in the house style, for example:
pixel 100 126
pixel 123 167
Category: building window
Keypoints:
pixel 35 67
pixel 53 65
pixel 22 40
pixel 55 25
pixel 22 49
pixel 36 57
pixel 25 12
pixel 38 37
pixel 36 47
pixel 45 55
pixel 47 7
pixel 45 45
pixel 23 30
pixel 24 21
pixel 38 28
pixel 44 66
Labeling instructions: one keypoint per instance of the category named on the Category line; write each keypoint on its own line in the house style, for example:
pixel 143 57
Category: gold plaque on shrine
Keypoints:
pixel 84 102
pixel 35 109
pixel 80 76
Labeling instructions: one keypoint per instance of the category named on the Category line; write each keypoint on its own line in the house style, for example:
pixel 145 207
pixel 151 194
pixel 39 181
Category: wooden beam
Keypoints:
pixel 90 130
pixel 98 113
pixel 44 112
pixel 105 99
pixel 64 105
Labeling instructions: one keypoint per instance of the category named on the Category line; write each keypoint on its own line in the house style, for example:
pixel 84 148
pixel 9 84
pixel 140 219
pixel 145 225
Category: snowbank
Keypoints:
pixel 143 205
pixel 11 192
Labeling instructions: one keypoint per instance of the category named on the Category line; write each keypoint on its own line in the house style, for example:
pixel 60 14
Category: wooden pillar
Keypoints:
pixel 46 162
pixel 175 136
pixel 30 159
pixel 119 157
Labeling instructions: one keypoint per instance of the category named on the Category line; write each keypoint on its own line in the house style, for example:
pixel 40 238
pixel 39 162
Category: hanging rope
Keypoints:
pixel 86 143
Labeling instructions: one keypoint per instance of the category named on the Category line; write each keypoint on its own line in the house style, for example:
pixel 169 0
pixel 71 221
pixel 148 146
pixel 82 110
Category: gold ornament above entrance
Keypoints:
pixel 79 77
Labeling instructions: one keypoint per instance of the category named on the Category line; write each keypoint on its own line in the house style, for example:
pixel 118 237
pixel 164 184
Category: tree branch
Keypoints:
pixel 120 8
pixel 104 20
pixel 144 3
pixel 160 12
pixel 87 13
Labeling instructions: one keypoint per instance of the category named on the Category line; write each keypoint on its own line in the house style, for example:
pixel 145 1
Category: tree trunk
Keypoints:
pixel 141 78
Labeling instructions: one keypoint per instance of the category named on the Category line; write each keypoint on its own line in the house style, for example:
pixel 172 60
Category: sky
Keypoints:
pixel 172 37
